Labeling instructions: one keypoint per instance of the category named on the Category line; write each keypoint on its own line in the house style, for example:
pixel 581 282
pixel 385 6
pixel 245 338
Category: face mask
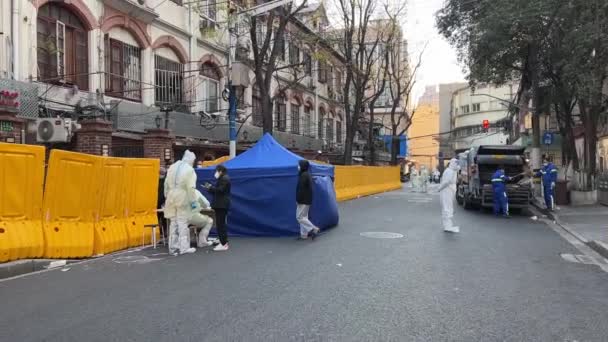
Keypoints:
pixel 545 164
pixel 299 169
pixel 216 175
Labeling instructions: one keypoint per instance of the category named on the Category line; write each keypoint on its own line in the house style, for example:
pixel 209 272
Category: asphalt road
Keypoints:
pixel 498 280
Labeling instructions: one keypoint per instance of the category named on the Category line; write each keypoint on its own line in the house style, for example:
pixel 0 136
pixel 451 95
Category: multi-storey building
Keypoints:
pixel 128 69
pixel 472 106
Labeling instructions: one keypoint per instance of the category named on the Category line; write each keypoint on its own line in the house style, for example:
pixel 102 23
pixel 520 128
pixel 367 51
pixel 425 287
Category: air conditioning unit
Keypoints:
pixel 52 130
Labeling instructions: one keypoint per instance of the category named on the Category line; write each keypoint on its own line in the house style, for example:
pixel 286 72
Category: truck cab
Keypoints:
pixel 478 164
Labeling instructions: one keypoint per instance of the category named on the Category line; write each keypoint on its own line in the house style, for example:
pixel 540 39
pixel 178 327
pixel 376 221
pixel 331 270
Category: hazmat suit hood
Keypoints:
pixel 454 165
pixel 304 165
pixel 189 158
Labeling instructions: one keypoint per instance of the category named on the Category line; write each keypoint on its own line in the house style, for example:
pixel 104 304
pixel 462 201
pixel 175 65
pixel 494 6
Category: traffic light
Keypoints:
pixel 485 125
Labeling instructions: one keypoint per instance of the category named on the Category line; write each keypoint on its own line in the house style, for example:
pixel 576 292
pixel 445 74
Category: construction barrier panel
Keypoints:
pixel 142 194
pixel 217 161
pixel 21 181
pixel 70 206
pixel 111 226
pixel 357 181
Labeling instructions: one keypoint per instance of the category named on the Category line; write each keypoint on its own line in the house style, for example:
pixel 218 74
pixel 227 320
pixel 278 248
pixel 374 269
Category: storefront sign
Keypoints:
pixel 9 100
pixel 6 126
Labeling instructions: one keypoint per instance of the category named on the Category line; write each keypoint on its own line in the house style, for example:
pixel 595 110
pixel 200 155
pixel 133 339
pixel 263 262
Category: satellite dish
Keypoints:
pixel 46 130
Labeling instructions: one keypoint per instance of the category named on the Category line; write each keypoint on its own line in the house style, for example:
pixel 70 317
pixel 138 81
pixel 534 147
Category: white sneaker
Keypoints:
pixel 205 244
pixel 221 248
pixel 189 251
pixel 452 230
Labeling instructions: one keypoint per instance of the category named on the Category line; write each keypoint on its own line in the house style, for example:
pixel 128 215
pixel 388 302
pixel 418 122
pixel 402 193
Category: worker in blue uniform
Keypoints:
pixel 501 201
pixel 549 176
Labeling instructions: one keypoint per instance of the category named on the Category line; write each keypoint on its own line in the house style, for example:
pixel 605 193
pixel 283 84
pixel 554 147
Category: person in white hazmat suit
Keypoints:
pixel 201 221
pixel 180 194
pixel 414 178
pixel 447 192
pixel 424 178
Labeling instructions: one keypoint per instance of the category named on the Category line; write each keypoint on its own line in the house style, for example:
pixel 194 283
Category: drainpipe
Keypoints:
pixel 15 37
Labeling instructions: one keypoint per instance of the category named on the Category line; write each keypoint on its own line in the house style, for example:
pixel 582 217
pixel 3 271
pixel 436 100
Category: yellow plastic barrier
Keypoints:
pixel 21 181
pixel 356 181
pixel 142 194
pixel 217 161
pixel 71 198
pixel 111 226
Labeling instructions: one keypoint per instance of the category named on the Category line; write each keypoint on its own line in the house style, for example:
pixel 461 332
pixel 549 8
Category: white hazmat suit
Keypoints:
pixel 424 178
pixel 414 178
pixel 180 194
pixel 447 192
pixel 201 221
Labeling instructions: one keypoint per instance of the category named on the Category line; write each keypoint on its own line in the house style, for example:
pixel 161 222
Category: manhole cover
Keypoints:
pixel 382 235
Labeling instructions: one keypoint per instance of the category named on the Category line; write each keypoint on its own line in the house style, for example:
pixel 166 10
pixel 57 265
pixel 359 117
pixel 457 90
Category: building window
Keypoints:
pixel 339 132
pixel 256 106
pixel 320 123
pixel 168 81
pixel 295 118
pixel 308 120
pixel 62 47
pixel 294 54
pixel 211 85
pixel 330 130
pixel 307 64
pixel 281 114
pixel 476 107
pixel 322 72
pixel 465 109
pixel 123 69
pixel 207 14
pixel 281 46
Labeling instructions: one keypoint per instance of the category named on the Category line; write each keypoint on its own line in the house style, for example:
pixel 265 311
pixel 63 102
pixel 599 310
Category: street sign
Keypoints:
pixel 548 138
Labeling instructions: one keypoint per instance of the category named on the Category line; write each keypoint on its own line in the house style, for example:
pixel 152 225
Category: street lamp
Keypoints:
pixel 158 121
pixel 166 110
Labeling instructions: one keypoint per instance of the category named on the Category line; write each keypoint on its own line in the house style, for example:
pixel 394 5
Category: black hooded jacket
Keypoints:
pixel 304 189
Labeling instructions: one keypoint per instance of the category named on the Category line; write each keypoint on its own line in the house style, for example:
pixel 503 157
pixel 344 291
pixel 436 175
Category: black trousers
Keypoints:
pixel 220 224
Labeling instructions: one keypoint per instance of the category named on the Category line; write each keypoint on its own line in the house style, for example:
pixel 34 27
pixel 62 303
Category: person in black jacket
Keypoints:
pixel 220 204
pixel 161 201
pixel 304 201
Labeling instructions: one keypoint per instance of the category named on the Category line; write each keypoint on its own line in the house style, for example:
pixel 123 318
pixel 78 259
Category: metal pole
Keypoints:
pixel 232 96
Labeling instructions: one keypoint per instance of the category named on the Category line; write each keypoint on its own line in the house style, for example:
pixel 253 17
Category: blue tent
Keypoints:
pixel 263 193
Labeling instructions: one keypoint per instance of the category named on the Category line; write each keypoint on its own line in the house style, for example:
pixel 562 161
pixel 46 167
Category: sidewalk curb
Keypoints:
pixel 598 246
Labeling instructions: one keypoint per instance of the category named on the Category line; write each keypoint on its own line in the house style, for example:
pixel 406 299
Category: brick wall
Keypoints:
pixel 156 141
pixel 93 134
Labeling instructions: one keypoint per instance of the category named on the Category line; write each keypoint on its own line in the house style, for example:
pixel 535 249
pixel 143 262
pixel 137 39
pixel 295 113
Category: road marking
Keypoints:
pixel 591 257
pixel 381 235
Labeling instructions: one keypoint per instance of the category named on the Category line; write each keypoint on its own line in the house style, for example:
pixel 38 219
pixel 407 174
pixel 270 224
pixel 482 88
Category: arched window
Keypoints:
pixel 256 105
pixel 320 125
pixel 295 116
pixel 329 133
pixel 308 131
pixel 211 87
pixel 281 113
pixel 168 78
pixel 62 46
pixel 122 65
pixel 339 129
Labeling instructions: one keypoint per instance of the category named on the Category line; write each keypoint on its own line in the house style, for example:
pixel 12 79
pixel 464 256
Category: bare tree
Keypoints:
pixel 268 42
pixel 358 41
pixel 401 82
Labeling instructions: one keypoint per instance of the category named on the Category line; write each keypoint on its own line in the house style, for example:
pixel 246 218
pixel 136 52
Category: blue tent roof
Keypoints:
pixel 269 158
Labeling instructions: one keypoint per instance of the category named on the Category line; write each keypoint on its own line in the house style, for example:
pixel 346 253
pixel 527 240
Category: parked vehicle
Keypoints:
pixel 475 179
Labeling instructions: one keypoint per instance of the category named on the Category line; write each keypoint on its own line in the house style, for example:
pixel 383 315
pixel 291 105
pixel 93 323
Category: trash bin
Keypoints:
pixel 561 193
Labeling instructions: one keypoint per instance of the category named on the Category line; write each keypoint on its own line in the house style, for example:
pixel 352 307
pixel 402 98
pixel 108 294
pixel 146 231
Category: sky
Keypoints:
pixel 439 62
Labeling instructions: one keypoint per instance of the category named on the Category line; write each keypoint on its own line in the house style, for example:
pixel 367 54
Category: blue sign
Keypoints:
pixel 548 138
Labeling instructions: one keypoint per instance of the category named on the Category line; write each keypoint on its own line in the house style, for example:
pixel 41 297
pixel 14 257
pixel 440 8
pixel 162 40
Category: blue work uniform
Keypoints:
pixel 549 176
pixel 501 201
